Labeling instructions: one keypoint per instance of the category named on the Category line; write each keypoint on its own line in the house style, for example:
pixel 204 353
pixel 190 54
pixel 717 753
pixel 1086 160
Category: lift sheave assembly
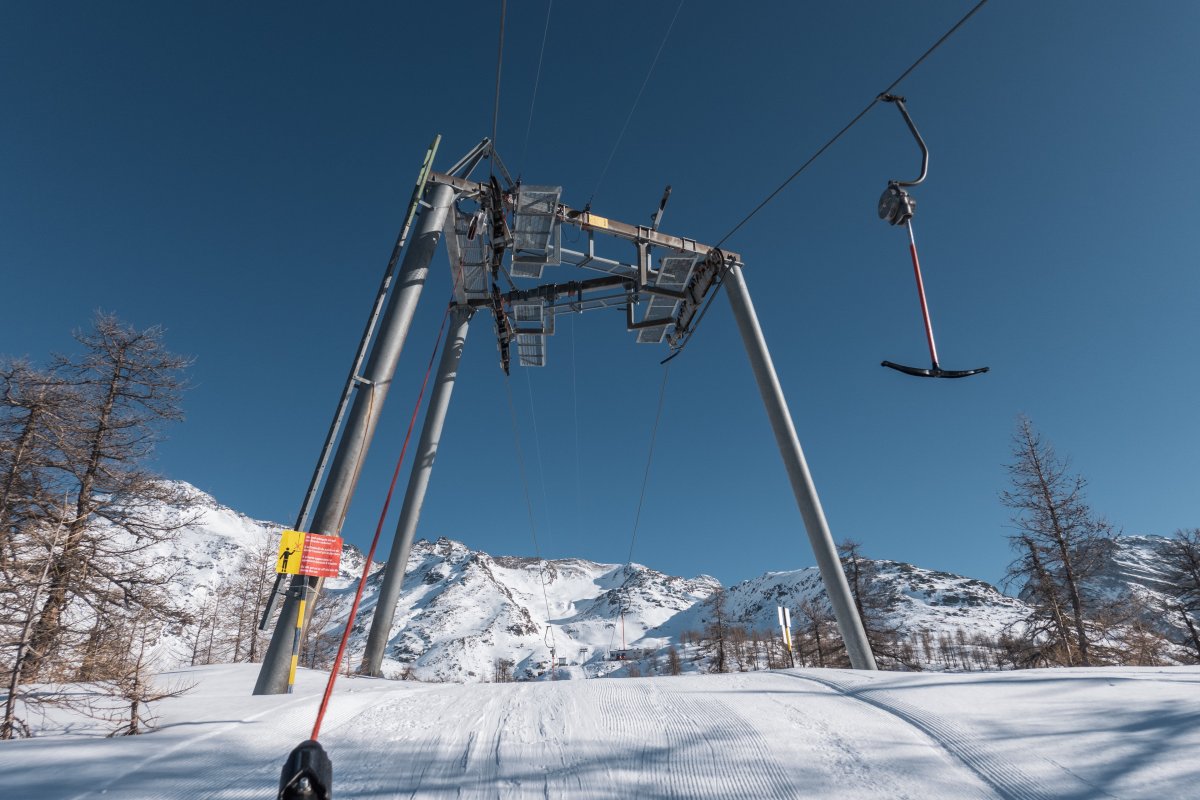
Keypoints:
pixel 897 207
pixel 501 232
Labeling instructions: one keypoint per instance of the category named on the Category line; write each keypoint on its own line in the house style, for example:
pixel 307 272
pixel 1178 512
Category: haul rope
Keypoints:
pixel 623 599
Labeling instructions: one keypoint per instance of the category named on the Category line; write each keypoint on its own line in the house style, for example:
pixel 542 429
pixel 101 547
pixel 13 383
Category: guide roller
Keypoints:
pixel 897 207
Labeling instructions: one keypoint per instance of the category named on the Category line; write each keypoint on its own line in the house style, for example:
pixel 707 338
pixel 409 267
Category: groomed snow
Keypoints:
pixel 1099 733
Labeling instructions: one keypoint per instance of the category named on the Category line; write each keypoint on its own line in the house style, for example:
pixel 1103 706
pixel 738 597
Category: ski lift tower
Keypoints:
pixel 502 233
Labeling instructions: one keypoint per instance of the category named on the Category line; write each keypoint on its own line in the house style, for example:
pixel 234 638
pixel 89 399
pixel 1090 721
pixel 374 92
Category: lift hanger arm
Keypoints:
pixel 899 101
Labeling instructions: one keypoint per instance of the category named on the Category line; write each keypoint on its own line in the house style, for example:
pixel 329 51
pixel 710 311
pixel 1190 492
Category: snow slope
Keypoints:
pixel 924 600
pixel 461 610
pixel 209 548
pixel 1097 733
pixel 1134 566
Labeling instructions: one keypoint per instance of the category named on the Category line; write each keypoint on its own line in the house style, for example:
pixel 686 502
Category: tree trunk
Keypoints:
pixel 10 479
pixel 1068 573
pixel 1051 595
pixel 820 649
pixel 1187 619
pixel 47 629
pixel 14 678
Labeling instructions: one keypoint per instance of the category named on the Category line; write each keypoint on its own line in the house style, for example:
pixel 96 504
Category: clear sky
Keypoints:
pixel 237 172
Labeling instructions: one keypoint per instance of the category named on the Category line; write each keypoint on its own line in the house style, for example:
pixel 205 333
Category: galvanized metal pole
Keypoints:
pixel 414 496
pixel 819 536
pixel 414 204
pixel 360 426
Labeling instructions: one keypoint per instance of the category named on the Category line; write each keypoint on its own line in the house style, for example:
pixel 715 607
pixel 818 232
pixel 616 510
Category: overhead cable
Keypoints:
pixel 537 79
pixel 637 517
pixel 575 407
pixel 636 100
pixel 853 121
pixel 537 447
pixel 662 393
pixel 499 65
pixel 712 295
pixel 537 551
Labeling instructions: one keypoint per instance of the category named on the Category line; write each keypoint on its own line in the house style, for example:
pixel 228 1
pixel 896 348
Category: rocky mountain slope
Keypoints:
pixel 464 612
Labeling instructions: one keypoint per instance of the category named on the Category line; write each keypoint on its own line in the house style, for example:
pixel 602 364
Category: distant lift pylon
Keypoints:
pixel 897 207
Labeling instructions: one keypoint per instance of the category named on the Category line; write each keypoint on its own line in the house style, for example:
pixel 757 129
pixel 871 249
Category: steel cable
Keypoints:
pixel 533 98
pixel 512 409
pixel 637 518
pixel 853 121
pixel 499 66
pixel 820 151
pixel 636 100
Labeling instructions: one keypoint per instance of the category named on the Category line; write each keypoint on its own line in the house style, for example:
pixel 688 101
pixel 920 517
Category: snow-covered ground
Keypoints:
pixel 1083 733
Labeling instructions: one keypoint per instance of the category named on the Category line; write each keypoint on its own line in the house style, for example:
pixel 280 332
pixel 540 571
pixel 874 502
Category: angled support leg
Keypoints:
pixel 414 496
pixel 360 425
pixel 819 537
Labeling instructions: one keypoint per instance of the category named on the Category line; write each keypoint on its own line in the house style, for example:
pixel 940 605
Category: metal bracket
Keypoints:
pixel 643 263
pixel 272 602
pixel 508 179
pixel 467 163
pixel 656 217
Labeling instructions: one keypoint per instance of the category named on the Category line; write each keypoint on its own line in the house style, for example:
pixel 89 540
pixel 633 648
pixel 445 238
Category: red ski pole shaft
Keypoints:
pixel 912 248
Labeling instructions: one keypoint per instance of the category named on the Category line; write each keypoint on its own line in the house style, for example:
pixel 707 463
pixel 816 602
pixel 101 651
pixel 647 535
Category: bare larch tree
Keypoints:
pixel 1058 540
pixel 1183 573
pixel 127 386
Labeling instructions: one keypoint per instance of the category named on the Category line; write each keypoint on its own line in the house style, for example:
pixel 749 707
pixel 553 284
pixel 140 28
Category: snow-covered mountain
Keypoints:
pixel 462 612
pixel 212 544
pixel 1133 574
pixel 923 600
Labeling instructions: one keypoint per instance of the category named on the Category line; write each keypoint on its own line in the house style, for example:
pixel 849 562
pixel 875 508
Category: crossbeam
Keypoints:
pixel 587 221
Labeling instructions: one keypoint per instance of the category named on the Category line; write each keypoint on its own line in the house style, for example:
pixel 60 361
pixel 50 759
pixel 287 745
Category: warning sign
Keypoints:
pixel 290 547
pixel 322 555
pixel 309 554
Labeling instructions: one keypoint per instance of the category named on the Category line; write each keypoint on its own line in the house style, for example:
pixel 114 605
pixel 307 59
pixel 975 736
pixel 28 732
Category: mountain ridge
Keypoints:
pixel 466 615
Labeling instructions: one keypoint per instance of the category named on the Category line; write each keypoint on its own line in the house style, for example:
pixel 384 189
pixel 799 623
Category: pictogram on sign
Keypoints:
pixel 312 554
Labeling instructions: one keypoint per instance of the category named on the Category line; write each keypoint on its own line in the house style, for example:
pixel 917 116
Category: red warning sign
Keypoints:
pixel 321 556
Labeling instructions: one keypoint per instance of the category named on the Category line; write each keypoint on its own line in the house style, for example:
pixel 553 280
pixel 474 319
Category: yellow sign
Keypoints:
pixel 291 547
pixel 596 221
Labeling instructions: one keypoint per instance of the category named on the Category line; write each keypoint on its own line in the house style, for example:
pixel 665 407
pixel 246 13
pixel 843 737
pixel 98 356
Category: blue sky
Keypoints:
pixel 237 173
